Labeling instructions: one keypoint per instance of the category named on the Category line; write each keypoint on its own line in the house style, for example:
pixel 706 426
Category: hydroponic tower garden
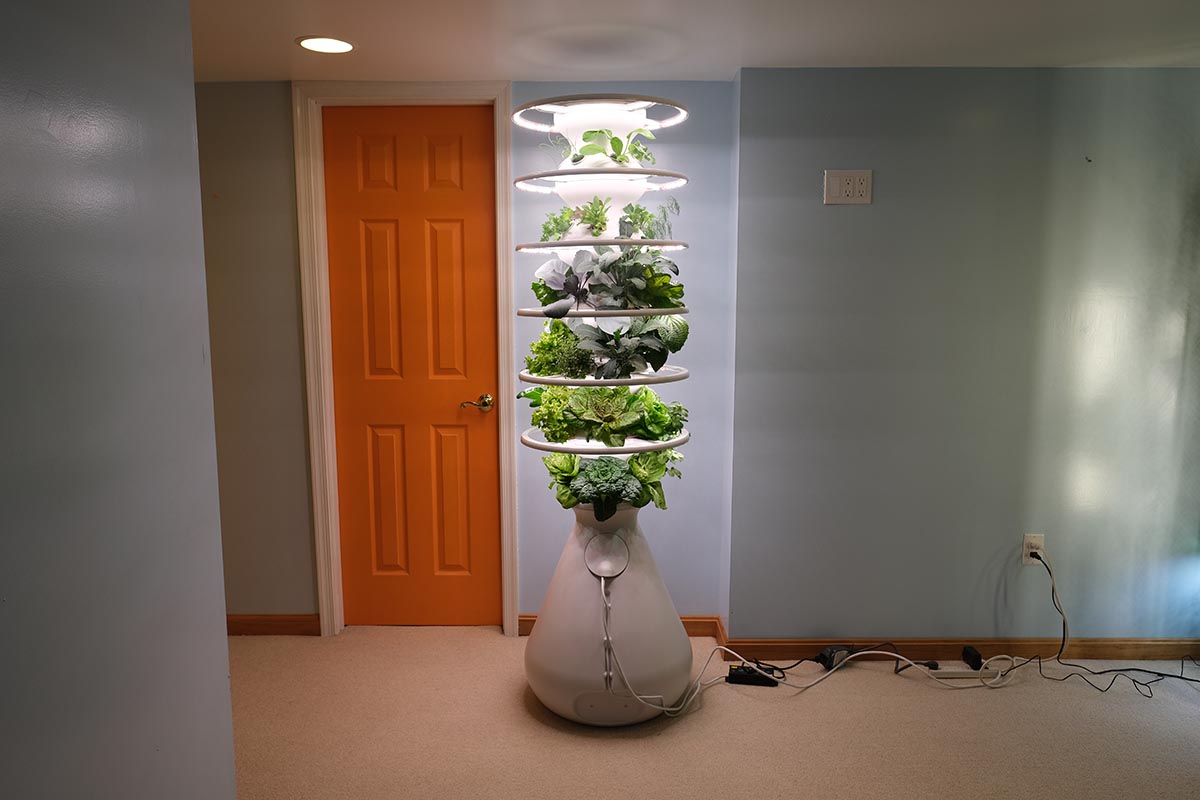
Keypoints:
pixel 608 647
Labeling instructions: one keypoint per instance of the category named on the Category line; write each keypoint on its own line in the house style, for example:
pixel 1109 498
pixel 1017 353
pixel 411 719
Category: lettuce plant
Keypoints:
pixel 605 414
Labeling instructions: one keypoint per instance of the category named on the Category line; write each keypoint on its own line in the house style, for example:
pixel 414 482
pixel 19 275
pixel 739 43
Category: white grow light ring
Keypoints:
pixel 545 182
pixel 562 245
pixel 635 102
pixel 586 311
pixel 668 373
pixel 533 437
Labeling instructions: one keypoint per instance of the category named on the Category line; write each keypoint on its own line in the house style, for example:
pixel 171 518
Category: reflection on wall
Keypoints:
pixel 1006 341
pixel 1116 408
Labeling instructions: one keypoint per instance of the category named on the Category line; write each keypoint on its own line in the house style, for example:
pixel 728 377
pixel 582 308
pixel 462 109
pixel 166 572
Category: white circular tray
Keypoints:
pixel 523 115
pixel 582 447
pixel 579 244
pixel 607 312
pixel 546 182
pixel 668 374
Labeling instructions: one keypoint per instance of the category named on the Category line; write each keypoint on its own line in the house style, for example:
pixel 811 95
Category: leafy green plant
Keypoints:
pixel 606 482
pixel 636 278
pixel 618 149
pixel 623 352
pixel 644 343
pixel 608 279
pixel 557 352
pixel 673 331
pixel 651 468
pixel 594 214
pixel 563 468
pixel 637 219
pixel 605 414
pixel 557 224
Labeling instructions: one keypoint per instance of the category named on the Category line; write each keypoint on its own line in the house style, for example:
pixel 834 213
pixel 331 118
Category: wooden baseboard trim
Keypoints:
pixel 273 624
pixel 695 626
pixel 951 649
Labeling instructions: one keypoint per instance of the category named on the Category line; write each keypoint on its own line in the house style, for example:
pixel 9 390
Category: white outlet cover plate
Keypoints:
pixel 1032 542
pixel 848 187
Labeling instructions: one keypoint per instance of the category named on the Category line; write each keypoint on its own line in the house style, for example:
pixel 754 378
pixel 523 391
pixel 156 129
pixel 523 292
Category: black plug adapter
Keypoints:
pixel 973 658
pixel 833 655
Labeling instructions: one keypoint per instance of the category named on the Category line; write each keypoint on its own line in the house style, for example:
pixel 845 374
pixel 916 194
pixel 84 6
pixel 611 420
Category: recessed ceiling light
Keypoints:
pixel 323 44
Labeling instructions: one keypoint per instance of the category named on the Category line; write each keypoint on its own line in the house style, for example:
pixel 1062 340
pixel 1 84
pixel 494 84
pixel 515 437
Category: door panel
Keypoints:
pixel 410 204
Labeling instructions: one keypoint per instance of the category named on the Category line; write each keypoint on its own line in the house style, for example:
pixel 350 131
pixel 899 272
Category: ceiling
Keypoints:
pixel 677 39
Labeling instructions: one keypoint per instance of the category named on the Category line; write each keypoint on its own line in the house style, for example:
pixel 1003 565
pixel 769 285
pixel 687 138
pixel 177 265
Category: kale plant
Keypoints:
pixel 605 483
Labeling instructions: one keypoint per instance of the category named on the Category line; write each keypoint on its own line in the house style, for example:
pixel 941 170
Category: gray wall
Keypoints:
pixel 1007 340
pixel 689 538
pixel 247 177
pixel 114 667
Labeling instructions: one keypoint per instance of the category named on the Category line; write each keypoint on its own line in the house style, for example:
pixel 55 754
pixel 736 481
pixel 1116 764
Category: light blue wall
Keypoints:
pixel 689 537
pixel 252 262
pixel 114 672
pixel 1007 340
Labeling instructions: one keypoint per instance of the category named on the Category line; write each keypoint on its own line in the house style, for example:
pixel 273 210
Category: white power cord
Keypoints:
pixel 986 680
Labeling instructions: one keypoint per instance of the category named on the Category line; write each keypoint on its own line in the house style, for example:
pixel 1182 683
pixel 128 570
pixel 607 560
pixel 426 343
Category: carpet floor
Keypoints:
pixel 446 713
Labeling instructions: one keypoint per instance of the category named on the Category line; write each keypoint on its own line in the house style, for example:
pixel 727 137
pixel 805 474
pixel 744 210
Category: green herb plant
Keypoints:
pixel 557 352
pixel 594 214
pixel 637 219
pixel 557 224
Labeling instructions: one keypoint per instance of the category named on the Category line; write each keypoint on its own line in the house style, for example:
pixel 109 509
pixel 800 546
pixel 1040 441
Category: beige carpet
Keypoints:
pixel 445 713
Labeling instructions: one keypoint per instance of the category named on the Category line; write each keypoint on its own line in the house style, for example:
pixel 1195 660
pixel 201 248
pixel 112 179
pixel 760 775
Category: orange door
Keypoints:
pixel 410 203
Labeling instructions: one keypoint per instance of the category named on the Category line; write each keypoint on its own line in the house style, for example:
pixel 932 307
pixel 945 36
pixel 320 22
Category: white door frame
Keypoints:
pixel 308 98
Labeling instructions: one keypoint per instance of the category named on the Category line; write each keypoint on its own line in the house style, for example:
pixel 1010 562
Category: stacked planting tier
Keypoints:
pixel 608 647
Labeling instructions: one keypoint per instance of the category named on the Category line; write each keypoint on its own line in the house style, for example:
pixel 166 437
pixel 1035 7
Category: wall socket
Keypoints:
pixel 847 187
pixel 1033 542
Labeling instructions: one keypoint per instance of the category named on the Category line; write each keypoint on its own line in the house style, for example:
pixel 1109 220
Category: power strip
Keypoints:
pixel 954 674
pixel 748 676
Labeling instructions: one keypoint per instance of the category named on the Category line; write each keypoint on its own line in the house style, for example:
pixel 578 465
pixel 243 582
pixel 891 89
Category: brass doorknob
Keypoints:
pixel 484 403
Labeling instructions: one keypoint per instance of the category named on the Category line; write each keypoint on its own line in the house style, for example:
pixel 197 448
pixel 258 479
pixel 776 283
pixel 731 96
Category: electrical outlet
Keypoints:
pixel 1034 542
pixel 848 187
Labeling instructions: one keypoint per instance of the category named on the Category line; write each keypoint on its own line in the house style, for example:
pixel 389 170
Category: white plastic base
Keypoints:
pixel 564 658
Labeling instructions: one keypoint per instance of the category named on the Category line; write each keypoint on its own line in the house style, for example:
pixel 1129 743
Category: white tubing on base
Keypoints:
pixel 565 654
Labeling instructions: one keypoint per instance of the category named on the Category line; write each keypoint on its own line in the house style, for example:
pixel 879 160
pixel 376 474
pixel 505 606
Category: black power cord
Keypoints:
pixel 834 655
pixel 1142 685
